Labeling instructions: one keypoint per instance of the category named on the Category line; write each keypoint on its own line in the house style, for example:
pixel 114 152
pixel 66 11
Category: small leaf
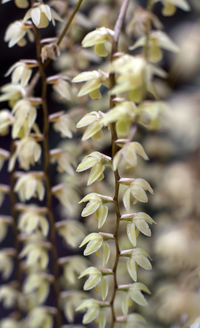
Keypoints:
pixel 125 303
pixel 102 320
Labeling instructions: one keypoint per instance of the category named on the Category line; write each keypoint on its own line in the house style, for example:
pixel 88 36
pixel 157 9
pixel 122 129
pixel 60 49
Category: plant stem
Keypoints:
pixel 117 30
pixel 47 175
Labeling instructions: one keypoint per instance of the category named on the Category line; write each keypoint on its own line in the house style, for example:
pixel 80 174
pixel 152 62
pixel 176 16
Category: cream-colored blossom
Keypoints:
pixel 28 152
pixel 39 284
pixel 18 3
pixel 134 76
pixel 73 266
pixel 6 263
pixel 68 197
pixel 102 39
pixel 41 15
pixel 64 89
pixel 12 93
pixel 92 310
pixel 157 40
pixel 20 73
pixel 72 232
pixel 6 119
pixel 8 296
pixel 31 221
pixel 9 323
pixel 24 118
pixel 64 125
pixel 94 80
pixel 65 163
pixel 93 124
pixel 16 32
pixel 36 254
pixel 95 161
pixel 30 185
pixel 39 317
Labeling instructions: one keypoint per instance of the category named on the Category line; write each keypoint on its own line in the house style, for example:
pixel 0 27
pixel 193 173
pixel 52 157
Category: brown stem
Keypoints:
pixel 47 174
pixel 117 30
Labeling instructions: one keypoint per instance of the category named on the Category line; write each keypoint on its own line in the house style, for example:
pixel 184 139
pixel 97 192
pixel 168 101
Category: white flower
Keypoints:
pixel 32 221
pixel 36 254
pixel 41 15
pixel 30 185
pixel 28 152
pixel 16 32
pixel 4 189
pixel 40 318
pixel 20 73
pixel 12 93
pixel 25 114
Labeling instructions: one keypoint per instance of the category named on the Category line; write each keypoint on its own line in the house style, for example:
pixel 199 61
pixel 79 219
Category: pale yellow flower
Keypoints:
pixel 4 189
pixel 171 5
pixel 31 221
pixel 30 185
pixel 12 93
pixel 24 118
pixel 20 73
pixel 102 39
pixel 28 152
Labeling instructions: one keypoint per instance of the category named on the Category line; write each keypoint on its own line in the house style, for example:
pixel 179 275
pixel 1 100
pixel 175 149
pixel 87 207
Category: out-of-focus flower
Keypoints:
pixel 157 40
pixel 31 220
pixel 30 185
pixel 102 39
pixel 28 152
pixel 36 254
pixel 63 124
pixel 72 232
pixel 39 317
pixel 4 155
pixel 6 263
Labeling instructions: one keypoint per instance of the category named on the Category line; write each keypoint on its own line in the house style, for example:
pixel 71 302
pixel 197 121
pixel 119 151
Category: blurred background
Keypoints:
pixel 173 149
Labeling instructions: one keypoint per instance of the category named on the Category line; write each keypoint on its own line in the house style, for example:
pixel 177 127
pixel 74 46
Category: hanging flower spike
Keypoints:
pixel 96 162
pixel 94 80
pixel 93 123
pixel 30 185
pixel 18 3
pixel 157 40
pixel 101 39
pixel 41 15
